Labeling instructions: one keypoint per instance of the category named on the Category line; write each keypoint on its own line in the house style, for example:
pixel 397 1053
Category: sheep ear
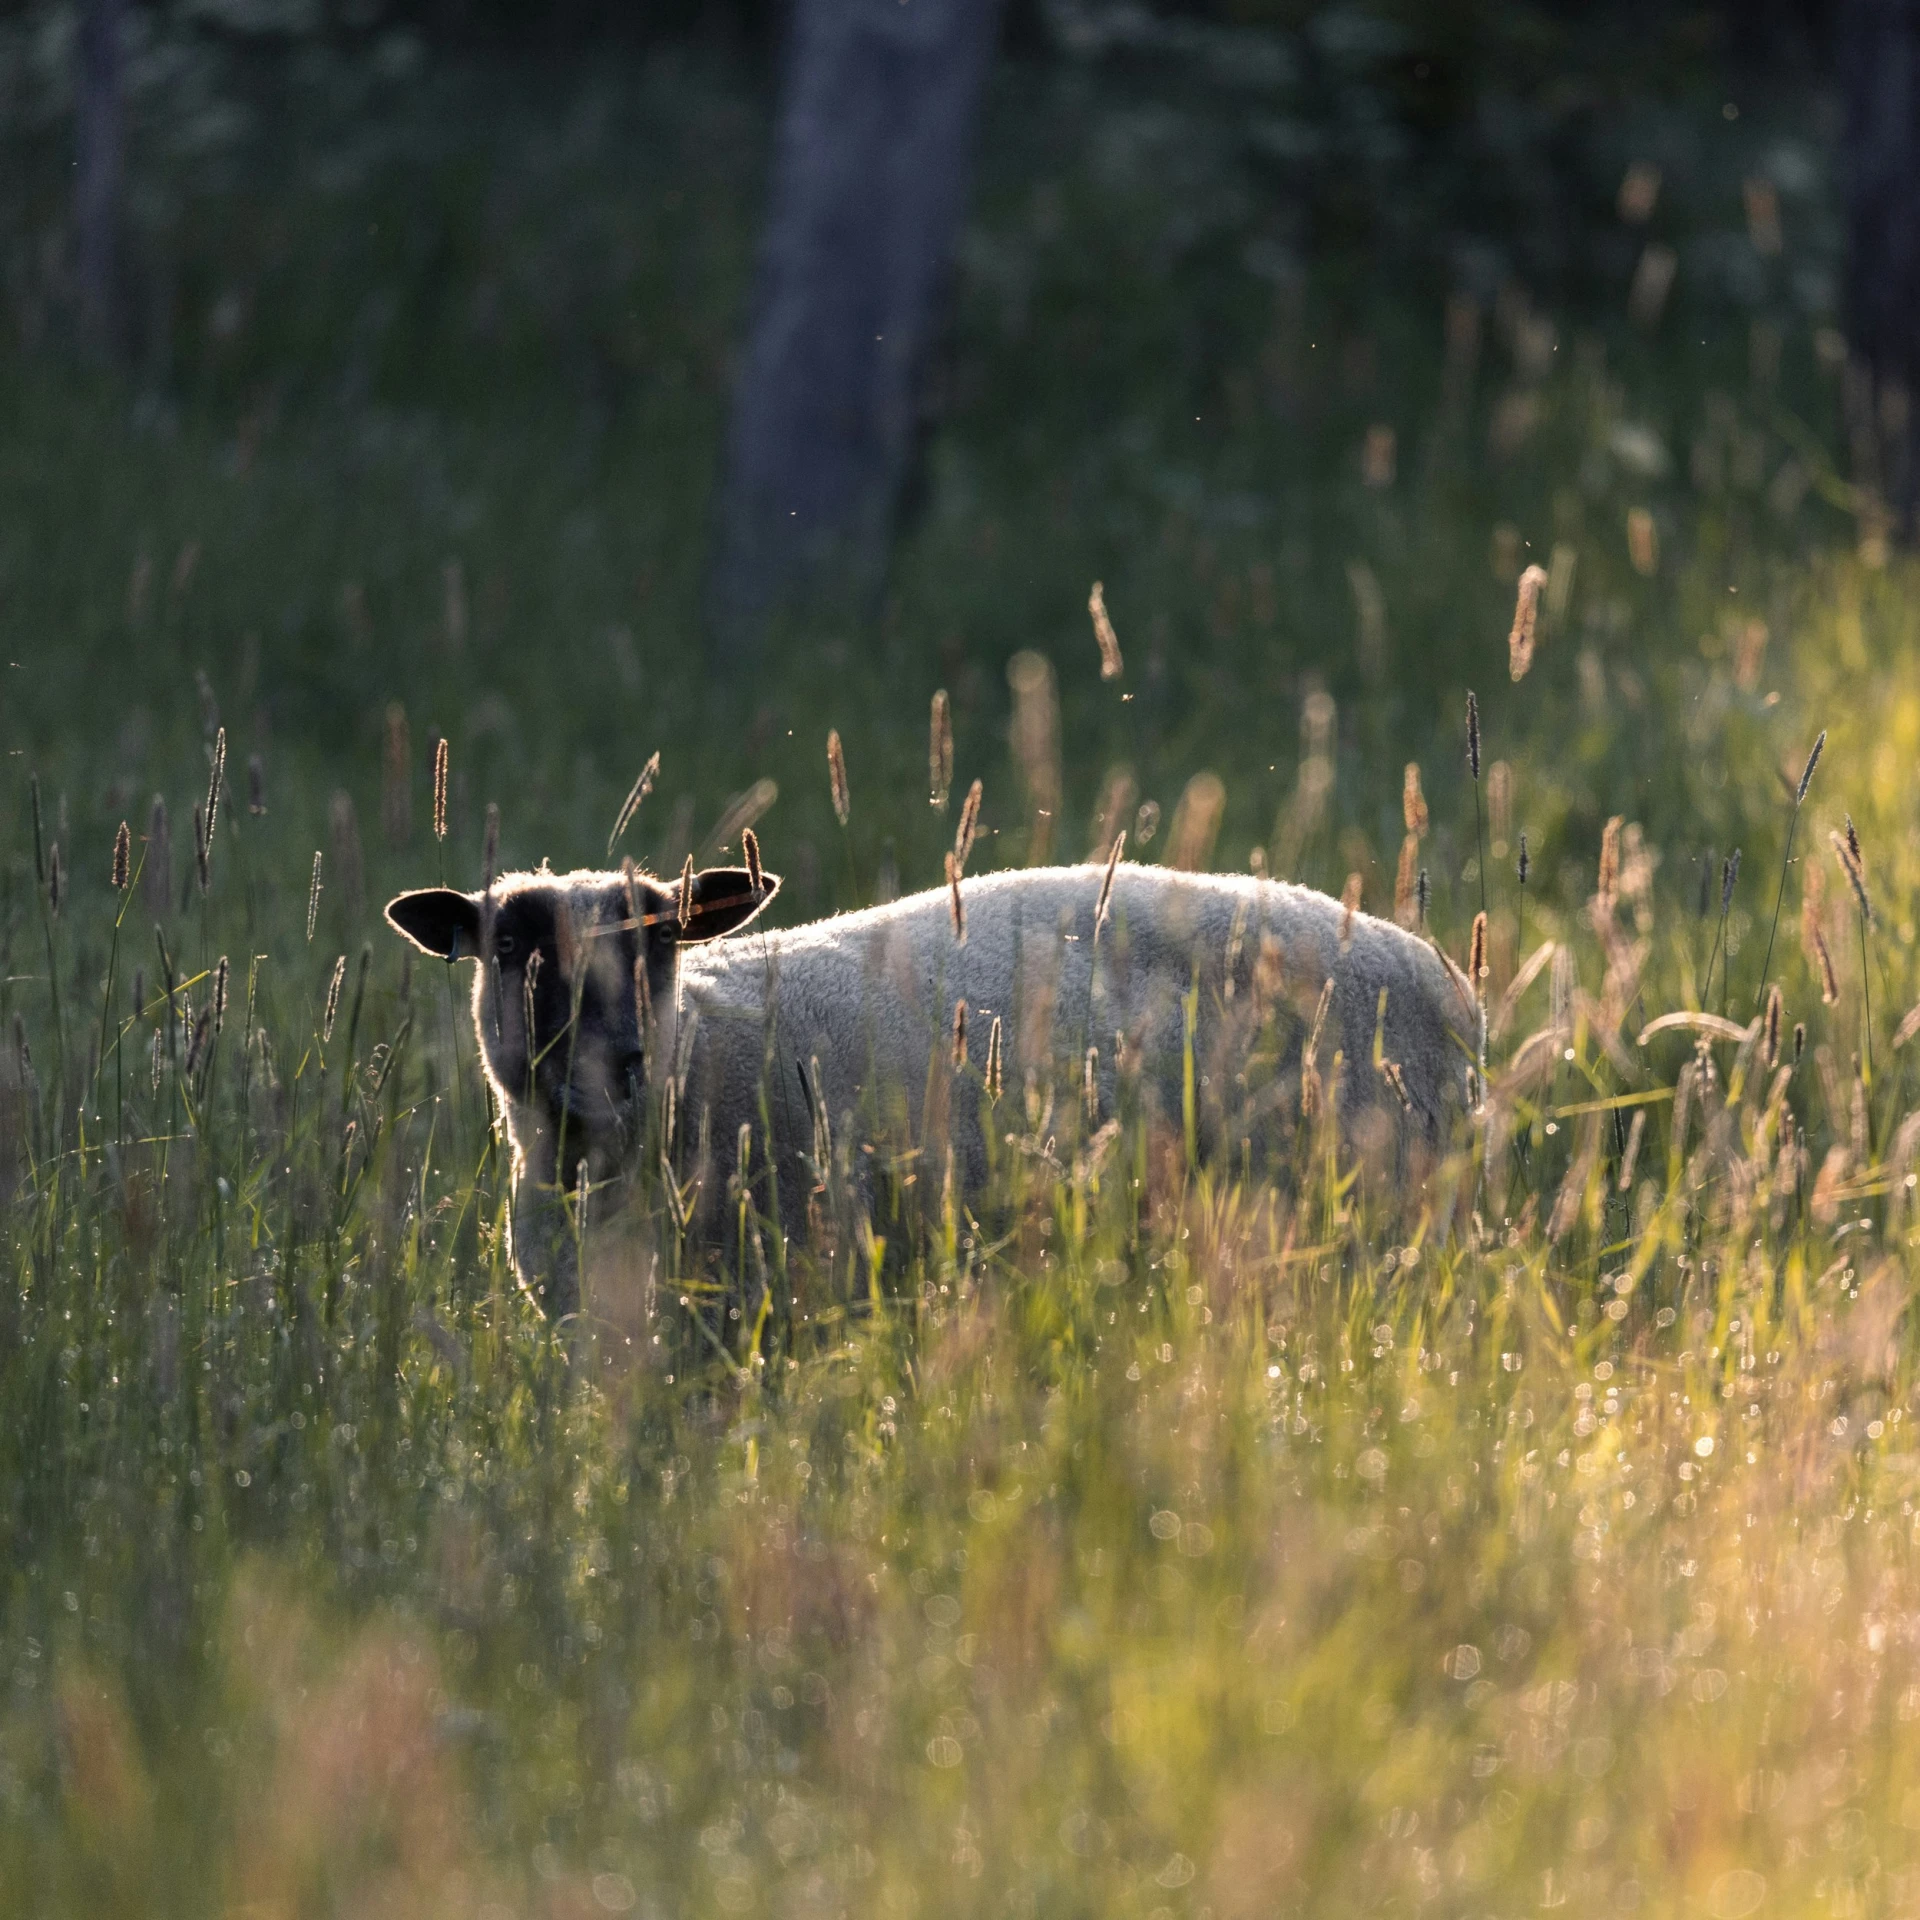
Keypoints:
pixel 723 899
pixel 438 921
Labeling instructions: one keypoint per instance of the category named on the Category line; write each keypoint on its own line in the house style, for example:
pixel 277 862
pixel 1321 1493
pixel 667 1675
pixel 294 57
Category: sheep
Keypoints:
pixel 1200 991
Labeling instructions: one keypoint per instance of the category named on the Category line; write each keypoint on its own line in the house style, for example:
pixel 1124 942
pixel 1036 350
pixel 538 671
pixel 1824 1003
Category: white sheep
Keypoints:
pixel 1195 995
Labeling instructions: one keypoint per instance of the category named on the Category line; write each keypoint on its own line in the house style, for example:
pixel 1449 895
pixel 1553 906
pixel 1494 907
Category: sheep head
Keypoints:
pixel 570 968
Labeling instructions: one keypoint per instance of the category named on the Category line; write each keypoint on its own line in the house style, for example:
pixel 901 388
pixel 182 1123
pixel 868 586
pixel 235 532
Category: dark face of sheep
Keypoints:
pixel 571 968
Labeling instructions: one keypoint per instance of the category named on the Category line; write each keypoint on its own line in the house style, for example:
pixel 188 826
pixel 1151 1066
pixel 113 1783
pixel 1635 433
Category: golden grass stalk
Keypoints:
pixel 332 1007
pixel 1104 904
pixel 968 827
pixel 1413 803
pixel 1108 641
pixel 1403 881
pixel 1786 858
pixel 1526 620
pixel 1607 885
pixel 313 897
pixel 940 751
pixel 440 788
pixel 1823 960
pixel 216 779
pixel 683 907
pixel 1846 852
pixel 837 776
pixel 642 786
pixel 1636 1133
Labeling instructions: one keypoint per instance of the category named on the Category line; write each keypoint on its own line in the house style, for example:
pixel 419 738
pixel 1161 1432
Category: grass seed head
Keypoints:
pixel 56 881
pixel 332 1008
pixel 968 827
pixel 994 1066
pixel 1526 619
pixel 1770 1031
pixel 440 788
pixel 1108 641
pixel 216 779
pixel 1525 865
pixel 1729 876
pixel 1403 877
pixel 1413 803
pixel 683 909
pixel 1844 846
pixel 122 857
pixel 1799 1040
pixel 1350 898
pixel 1423 895
pixel 1806 776
pixel 642 786
pixel 956 907
pixel 1473 734
pixel 750 852
pixel 313 897
pixel 1630 1158
pixel 1608 883
pixel 1104 904
pixel 219 1003
pixel 1823 962
pixel 940 751
pixel 960 1032
pixel 198 1041
pixel 1090 1086
pixel 837 776
pixel 1477 953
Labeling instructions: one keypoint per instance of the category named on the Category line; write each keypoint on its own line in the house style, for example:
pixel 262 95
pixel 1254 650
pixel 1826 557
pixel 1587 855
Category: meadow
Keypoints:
pixel 1147 1541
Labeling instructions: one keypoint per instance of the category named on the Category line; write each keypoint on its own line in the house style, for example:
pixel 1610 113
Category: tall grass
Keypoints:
pixel 1152 1539
pixel 1143 1539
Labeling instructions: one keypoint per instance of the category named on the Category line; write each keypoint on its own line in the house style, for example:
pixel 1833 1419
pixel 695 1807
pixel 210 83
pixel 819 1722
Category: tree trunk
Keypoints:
pixel 1879 48
pixel 870 164
pixel 98 144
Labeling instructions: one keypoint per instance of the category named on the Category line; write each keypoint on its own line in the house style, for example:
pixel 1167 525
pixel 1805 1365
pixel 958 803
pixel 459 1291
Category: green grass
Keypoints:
pixel 1148 1543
